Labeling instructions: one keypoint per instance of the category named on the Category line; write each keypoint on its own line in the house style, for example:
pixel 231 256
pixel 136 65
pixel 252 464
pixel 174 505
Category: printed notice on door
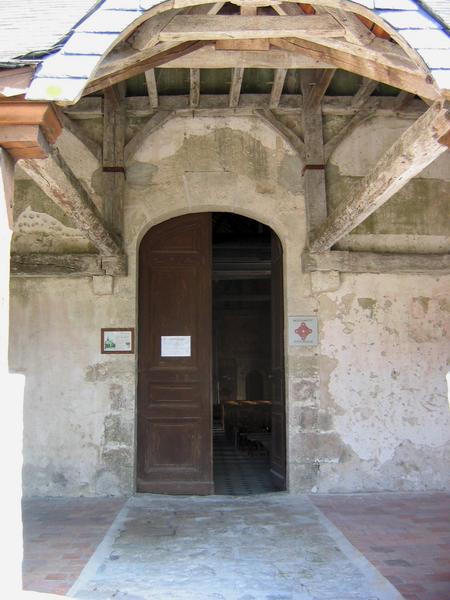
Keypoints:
pixel 175 345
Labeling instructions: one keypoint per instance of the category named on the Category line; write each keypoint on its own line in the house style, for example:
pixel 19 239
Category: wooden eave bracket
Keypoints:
pixel 26 128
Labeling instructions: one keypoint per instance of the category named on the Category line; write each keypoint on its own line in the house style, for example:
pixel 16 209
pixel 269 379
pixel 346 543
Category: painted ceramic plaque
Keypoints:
pixel 117 341
pixel 303 331
pixel 175 345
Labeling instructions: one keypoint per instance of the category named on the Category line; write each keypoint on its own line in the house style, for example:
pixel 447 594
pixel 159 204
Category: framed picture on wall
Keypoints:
pixel 117 340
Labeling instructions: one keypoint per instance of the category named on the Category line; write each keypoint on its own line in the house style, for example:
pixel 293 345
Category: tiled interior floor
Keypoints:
pixel 405 536
pixel 60 535
pixel 238 472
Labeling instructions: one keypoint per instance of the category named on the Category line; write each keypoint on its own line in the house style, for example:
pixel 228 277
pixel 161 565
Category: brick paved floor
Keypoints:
pixel 60 535
pixel 405 536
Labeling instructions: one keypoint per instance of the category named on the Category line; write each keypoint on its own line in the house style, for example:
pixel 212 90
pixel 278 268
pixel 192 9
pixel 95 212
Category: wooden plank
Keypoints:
pixel 288 8
pixel 316 88
pixel 354 122
pixel 216 27
pixel 235 89
pixel 14 82
pixel 152 88
pixel 67 265
pixel 372 262
pixel 153 124
pixel 56 180
pixel 281 129
pixel 205 9
pixel 194 93
pixel 376 65
pixel 114 126
pixel 368 86
pixel 415 149
pixel 277 87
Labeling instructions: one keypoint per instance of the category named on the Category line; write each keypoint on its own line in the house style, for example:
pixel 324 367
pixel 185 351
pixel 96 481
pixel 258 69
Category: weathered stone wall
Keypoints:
pixel 366 409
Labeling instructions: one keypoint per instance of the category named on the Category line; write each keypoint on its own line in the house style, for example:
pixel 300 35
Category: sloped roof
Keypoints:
pixel 37 25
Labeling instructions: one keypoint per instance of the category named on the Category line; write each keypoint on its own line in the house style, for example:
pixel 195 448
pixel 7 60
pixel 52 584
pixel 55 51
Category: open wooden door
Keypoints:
pixel 278 442
pixel 174 442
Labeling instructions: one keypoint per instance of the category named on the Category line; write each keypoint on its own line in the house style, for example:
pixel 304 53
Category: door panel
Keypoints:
pixel 278 441
pixel 174 404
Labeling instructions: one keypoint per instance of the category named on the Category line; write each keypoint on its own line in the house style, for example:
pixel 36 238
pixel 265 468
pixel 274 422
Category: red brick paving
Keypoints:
pixel 60 535
pixel 405 536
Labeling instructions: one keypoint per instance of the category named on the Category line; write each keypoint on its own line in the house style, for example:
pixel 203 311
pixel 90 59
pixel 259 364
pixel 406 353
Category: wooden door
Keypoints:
pixel 278 419
pixel 174 383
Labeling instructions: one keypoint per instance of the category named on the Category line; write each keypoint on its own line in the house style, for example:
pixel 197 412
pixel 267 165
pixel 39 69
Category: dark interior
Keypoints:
pixel 242 355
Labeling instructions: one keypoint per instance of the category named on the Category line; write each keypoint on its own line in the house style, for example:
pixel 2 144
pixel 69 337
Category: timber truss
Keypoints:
pixel 311 43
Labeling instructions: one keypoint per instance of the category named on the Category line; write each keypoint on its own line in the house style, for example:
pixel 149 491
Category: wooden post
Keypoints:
pixel 114 123
pixel 11 405
pixel 314 170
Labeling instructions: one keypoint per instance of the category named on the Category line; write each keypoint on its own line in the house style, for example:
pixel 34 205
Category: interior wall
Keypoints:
pixel 366 409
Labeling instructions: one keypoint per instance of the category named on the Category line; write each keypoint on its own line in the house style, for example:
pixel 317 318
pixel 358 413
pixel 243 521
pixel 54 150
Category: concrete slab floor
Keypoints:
pixel 265 547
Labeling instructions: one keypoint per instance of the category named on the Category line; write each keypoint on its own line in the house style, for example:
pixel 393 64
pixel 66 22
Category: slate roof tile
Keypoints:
pixel 409 19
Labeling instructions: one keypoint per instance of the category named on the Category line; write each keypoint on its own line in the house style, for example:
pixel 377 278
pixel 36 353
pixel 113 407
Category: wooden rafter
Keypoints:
pixel 194 92
pixel 122 67
pixel 277 87
pixel 315 87
pixel 416 148
pixel 235 88
pixel 391 68
pixel 152 88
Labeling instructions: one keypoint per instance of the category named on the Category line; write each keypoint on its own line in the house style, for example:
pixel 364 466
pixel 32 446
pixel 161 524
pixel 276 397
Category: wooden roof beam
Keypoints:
pixel 374 62
pixel 218 27
pixel 416 148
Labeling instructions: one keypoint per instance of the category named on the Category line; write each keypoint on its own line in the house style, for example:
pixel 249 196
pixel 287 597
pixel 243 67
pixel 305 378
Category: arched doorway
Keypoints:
pixel 210 311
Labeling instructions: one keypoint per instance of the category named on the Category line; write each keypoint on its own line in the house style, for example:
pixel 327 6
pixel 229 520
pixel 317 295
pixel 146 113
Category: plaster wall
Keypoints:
pixel 367 409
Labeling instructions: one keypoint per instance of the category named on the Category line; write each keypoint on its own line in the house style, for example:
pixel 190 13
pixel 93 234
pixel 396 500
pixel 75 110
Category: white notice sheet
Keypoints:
pixel 175 345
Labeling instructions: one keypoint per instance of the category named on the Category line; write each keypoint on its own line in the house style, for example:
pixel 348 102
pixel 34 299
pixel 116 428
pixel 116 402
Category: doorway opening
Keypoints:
pixel 242 353
pixel 211 414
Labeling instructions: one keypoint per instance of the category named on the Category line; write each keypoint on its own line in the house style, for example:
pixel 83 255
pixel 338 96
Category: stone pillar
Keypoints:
pixel 10 404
